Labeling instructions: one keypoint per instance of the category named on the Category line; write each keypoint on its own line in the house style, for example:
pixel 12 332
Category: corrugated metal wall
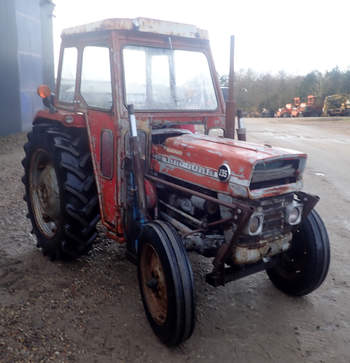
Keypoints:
pixel 26 60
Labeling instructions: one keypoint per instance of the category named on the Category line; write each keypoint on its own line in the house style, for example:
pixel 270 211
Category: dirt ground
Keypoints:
pixel 91 311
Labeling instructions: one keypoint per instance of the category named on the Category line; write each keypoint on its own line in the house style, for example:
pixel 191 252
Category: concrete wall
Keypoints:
pixel 26 60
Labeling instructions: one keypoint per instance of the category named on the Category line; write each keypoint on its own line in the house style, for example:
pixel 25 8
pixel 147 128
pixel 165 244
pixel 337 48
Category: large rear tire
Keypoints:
pixel 303 268
pixel 60 190
pixel 166 283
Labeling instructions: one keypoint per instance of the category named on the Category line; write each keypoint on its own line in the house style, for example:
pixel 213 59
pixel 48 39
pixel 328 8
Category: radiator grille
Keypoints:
pixel 275 172
pixel 274 215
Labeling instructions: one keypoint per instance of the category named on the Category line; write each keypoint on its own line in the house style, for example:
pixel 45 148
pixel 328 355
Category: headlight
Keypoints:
pixel 294 213
pixel 255 224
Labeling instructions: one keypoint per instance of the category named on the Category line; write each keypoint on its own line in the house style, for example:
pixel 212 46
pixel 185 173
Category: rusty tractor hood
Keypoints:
pixel 238 168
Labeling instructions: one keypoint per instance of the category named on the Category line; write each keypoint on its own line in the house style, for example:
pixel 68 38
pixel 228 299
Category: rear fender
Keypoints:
pixel 66 118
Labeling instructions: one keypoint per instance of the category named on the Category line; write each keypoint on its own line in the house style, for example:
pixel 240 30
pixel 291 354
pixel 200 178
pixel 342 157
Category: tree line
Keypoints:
pixel 255 91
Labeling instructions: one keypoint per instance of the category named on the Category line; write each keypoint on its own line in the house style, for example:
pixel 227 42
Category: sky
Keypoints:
pixel 296 36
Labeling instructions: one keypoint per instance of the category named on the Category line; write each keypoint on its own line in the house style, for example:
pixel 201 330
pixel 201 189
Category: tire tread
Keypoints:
pixel 70 153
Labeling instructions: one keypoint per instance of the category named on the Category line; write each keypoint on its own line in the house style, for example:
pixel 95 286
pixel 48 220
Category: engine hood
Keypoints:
pixel 228 166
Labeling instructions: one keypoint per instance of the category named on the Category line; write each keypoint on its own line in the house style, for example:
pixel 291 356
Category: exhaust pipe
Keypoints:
pixel 230 103
pixel 230 114
pixel 241 131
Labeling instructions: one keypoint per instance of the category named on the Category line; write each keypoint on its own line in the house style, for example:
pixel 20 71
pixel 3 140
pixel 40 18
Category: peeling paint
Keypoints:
pixel 277 190
pixel 250 254
pixel 174 151
pixel 208 153
pixel 218 153
pixel 238 190
pixel 239 180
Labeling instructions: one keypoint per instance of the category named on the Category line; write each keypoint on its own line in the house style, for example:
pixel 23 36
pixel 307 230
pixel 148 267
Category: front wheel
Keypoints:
pixel 304 266
pixel 166 283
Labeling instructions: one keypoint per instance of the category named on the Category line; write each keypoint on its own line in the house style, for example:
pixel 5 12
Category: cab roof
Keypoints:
pixel 142 25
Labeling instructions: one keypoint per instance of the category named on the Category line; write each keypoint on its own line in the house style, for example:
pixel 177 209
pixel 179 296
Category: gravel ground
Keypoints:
pixel 91 311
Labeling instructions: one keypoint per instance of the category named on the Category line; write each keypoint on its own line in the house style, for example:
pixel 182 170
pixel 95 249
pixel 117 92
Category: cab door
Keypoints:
pixel 96 102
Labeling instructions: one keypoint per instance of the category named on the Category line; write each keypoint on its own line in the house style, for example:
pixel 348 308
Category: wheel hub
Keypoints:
pixel 48 193
pixel 44 193
pixel 154 284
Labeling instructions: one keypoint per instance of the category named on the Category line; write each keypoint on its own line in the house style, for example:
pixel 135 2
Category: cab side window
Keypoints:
pixel 96 86
pixel 68 75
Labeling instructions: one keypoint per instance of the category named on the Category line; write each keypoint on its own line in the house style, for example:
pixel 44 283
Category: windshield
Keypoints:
pixel 166 79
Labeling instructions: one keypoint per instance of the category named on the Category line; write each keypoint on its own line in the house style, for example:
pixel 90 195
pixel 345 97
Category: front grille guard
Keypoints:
pixel 221 274
pixel 241 214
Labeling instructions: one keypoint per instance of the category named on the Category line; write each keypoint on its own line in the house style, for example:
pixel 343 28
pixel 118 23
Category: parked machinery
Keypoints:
pixel 285 111
pixel 337 105
pixel 296 108
pixel 311 108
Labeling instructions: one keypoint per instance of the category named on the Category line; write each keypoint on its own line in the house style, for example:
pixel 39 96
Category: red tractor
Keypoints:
pixel 310 108
pixel 114 145
pixel 285 111
pixel 296 104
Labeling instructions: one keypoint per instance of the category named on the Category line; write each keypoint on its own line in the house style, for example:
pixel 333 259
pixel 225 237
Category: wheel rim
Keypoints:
pixel 154 284
pixel 44 193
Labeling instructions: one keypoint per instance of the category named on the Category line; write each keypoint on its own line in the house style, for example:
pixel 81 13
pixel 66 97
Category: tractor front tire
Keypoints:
pixel 60 190
pixel 166 283
pixel 303 268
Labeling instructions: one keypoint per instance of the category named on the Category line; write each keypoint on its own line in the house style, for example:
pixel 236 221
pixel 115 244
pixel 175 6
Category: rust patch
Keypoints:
pixel 142 25
pixel 250 254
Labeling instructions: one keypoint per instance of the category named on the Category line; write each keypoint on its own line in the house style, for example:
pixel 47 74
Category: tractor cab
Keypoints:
pixel 165 70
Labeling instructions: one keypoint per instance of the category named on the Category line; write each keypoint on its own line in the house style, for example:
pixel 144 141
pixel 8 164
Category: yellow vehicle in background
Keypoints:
pixel 337 105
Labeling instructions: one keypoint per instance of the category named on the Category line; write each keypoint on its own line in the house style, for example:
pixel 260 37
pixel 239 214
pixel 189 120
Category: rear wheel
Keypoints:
pixel 166 283
pixel 60 191
pixel 304 266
